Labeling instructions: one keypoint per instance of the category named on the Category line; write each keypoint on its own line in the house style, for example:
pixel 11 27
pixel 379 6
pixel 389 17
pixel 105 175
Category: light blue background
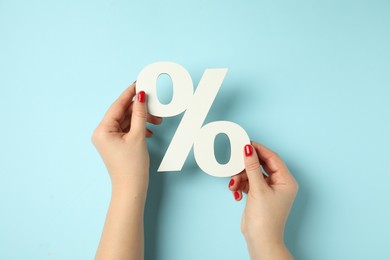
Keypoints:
pixel 310 79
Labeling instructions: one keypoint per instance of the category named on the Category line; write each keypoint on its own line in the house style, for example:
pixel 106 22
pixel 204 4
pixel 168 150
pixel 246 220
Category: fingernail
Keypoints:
pixel 141 96
pixel 236 195
pixel 150 131
pixel 231 183
pixel 248 150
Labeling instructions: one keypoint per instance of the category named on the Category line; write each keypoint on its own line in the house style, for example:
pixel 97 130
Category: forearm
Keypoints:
pixel 123 234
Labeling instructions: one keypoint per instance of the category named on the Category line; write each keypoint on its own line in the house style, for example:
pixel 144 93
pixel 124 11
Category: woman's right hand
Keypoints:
pixel 268 202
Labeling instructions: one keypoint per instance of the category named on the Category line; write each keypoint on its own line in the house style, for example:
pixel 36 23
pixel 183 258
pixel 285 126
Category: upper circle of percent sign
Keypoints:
pixel 191 131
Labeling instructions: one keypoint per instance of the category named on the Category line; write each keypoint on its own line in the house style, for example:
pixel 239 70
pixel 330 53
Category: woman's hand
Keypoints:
pixel 120 140
pixel 268 202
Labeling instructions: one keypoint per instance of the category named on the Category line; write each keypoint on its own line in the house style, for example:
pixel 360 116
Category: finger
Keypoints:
pixel 273 165
pixel 237 195
pixel 149 133
pixel 118 109
pixel 125 126
pixel 244 186
pixel 156 120
pixel 139 115
pixel 236 180
pixel 271 161
pixel 252 168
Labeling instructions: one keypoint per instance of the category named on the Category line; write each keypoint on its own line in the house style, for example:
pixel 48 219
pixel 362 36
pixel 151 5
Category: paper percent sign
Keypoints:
pixel 191 131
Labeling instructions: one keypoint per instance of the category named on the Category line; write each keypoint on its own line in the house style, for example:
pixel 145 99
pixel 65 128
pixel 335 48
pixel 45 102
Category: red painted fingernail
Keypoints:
pixel 150 131
pixel 248 150
pixel 141 96
pixel 236 195
pixel 231 183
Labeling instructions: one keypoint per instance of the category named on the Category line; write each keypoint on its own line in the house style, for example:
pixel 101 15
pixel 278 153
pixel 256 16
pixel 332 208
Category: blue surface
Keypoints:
pixel 310 79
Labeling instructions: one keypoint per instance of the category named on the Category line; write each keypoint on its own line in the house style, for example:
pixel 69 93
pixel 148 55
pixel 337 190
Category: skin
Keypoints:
pixel 120 139
pixel 268 203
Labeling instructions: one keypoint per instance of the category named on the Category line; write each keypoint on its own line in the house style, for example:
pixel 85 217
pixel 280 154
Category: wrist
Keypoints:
pixel 129 181
pixel 128 199
pixel 264 249
pixel 128 187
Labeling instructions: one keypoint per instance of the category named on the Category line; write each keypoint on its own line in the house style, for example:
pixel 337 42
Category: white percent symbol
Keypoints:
pixel 190 131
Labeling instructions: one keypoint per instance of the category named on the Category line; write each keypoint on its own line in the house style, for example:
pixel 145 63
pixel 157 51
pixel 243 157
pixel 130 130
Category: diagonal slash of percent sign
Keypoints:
pixel 190 131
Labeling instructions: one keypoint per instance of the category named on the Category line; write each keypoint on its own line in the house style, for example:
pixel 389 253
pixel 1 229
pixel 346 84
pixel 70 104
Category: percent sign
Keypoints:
pixel 191 131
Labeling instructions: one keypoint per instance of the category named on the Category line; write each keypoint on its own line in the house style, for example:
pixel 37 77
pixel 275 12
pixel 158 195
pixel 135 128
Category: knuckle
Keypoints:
pixel 272 157
pixel 296 186
pixel 97 136
pixel 140 113
pixel 252 165
pixel 293 188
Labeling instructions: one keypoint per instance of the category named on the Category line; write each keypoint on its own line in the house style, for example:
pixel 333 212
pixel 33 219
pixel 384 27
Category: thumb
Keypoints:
pixel 253 170
pixel 139 115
